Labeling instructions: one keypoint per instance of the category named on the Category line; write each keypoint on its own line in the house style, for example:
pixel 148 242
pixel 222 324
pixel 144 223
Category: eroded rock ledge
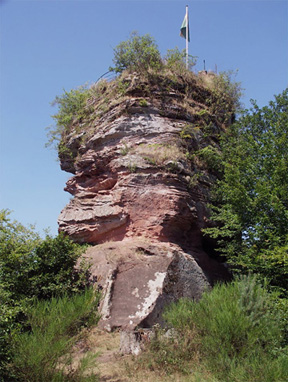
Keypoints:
pixel 140 190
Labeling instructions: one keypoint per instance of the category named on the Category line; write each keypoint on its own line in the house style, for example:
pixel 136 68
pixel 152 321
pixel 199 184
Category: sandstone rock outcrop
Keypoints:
pixel 139 277
pixel 140 190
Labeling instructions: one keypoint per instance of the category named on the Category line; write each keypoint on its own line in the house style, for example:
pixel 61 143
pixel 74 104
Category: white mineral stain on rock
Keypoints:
pixel 155 287
pixel 105 308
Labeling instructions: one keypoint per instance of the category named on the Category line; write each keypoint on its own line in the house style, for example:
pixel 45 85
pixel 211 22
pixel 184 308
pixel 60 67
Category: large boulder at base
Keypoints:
pixel 138 278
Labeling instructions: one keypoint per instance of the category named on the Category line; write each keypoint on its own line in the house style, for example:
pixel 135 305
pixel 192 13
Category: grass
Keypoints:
pixel 158 154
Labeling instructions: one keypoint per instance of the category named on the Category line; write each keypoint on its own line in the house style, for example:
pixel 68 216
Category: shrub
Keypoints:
pixel 176 60
pixel 41 269
pixel 72 106
pixel 224 101
pixel 43 353
pixel 31 267
pixel 211 156
pixel 137 53
pixel 235 332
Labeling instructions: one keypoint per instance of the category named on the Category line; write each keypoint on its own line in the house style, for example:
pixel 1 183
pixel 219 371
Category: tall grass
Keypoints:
pixel 234 333
pixel 42 354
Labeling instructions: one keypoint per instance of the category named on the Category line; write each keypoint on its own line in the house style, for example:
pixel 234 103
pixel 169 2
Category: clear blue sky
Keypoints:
pixel 48 46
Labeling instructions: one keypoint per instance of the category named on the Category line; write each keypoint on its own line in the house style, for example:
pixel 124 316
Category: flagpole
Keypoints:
pixel 187 31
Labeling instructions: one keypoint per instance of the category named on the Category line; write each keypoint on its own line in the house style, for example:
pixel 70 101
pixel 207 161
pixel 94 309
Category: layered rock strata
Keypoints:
pixel 140 195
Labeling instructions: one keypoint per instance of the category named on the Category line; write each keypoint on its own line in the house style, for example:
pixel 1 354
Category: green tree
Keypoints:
pixel 137 53
pixel 251 201
pixel 31 267
pixel 34 267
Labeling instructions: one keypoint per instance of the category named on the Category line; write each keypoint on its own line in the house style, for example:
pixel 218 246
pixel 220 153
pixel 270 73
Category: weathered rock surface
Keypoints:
pixel 138 277
pixel 119 191
pixel 140 194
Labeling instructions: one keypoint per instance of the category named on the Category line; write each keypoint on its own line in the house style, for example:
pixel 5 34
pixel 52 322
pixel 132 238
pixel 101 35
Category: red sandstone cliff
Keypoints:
pixel 140 189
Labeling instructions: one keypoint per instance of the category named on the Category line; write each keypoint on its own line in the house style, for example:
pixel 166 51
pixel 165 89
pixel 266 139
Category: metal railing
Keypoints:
pixel 108 76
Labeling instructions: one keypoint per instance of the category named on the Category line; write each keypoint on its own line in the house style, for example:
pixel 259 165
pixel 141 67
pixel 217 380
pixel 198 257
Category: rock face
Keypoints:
pixel 119 193
pixel 139 277
pixel 140 189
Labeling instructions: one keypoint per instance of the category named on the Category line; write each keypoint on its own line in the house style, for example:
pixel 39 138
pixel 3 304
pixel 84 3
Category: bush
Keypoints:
pixel 211 156
pixel 43 353
pixel 72 106
pixel 137 53
pixel 235 332
pixel 30 268
pixel 42 269
pixel 176 60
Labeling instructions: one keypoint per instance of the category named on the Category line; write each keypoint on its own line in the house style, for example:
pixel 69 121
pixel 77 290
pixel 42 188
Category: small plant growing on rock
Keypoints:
pixel 143 103
pixel 132 168
pixel 158 154
pixel 124 150
pixel 211 157
pixel 71 106
pixel 225 98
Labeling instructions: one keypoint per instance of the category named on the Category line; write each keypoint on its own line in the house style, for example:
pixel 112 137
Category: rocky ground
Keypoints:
pixel 113 366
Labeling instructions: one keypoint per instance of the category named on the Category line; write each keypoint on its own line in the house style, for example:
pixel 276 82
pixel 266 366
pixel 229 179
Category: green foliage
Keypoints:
pixel 251 201
pixel 122 85
pixel 72 106
pixel 189 131
pixel 143 103
pixel 43 353
pixel 235 332
pixel 170 353
pixel 132 168
pixel 137 53
pixel 31 267
pixel 16 242
pixel 8 322
pixel 224 82
pixel 175 60
pixel 211 156
pixel 225 98
pixel 124 150
pixel 14 237
pixel 78 108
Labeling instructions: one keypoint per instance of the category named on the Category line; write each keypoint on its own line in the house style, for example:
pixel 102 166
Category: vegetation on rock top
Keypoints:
pixel 164 83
